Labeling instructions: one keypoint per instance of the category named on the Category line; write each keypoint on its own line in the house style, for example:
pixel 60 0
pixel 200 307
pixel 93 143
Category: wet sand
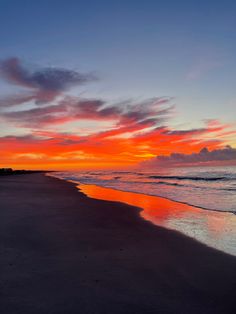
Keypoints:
pixel 213 228
pixel 62 252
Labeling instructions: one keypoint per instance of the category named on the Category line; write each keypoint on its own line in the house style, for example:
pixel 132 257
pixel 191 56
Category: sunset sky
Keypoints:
pixel 111 84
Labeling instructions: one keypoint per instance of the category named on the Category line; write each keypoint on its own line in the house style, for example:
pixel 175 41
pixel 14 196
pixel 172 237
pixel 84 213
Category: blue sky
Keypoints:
pixel 138 49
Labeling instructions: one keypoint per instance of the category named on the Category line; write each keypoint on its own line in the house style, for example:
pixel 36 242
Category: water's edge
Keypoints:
pixel 193 221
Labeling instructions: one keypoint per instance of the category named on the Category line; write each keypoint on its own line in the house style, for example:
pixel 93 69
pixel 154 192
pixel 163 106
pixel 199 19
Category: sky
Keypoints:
pixel 107 84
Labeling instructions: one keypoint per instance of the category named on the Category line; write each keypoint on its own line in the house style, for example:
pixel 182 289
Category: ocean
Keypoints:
pixel 209 188
pixel 210 191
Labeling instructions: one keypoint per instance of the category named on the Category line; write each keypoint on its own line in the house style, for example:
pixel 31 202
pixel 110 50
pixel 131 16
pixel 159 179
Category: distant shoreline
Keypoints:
pixel 15 172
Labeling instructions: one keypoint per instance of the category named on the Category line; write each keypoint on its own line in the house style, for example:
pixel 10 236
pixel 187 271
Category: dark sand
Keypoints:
pixel 62 252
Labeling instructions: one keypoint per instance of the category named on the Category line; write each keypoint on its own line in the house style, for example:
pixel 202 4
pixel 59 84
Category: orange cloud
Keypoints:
pixel 57 150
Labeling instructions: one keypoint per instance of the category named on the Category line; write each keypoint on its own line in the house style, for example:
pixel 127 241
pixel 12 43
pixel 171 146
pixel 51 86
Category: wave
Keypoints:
pixel 168 183
pixel 189 178
pixel 206 189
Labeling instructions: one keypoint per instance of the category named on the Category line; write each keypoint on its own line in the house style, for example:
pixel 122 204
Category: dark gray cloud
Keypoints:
pixel 46 83
pixel 222 154
pixel 29 138
pixel 187 132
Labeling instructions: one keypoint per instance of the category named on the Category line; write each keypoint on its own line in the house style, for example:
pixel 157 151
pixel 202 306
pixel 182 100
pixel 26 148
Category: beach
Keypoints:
pixel 63 252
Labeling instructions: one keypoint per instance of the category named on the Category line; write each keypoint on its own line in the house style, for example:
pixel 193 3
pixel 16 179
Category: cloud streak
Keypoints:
pixel 46 83
pixel 70 109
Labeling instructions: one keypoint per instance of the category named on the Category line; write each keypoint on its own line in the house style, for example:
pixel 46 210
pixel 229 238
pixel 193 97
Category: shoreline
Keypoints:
pixel 192 221
pixel 154 195
pixel 63 252
pixel 189 220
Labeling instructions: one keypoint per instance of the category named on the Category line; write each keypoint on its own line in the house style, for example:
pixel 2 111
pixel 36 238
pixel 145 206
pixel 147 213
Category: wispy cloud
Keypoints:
pixel 202 67
pixel 44 84
pixel 75 109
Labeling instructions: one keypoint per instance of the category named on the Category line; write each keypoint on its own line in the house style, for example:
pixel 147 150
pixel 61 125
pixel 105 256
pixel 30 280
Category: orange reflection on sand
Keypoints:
pixel 210 227
pixel 157 207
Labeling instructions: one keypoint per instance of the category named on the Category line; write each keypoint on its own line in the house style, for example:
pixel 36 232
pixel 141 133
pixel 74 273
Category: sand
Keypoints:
pixel 62 252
